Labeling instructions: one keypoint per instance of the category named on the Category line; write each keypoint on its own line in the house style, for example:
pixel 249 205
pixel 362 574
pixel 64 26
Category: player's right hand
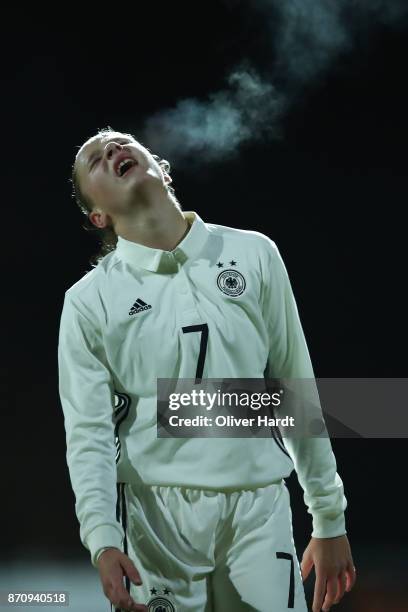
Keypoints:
pixel 113 565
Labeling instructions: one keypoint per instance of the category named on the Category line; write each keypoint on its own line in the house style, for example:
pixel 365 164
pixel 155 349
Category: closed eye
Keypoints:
pixel 94 162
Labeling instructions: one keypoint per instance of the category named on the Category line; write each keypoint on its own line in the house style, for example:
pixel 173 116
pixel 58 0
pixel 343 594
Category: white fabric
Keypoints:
pixel 208 551
pixel 109 354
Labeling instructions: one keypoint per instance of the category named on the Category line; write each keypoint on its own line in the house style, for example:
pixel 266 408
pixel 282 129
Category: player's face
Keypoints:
pixel 113 170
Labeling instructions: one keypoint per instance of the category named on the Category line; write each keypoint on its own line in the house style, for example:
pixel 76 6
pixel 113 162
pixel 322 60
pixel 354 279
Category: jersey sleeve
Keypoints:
pixel 289 358
pixel 87 399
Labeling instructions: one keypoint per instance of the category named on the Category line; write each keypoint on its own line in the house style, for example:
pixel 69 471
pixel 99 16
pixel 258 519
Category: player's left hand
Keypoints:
pixel 334 569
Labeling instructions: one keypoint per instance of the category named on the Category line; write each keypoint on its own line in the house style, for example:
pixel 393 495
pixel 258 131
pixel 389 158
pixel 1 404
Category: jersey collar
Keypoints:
pixel 153 259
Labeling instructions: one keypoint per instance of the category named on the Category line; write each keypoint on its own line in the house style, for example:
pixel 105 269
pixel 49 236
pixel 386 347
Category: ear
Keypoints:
pixel 99 219
pixel 167 178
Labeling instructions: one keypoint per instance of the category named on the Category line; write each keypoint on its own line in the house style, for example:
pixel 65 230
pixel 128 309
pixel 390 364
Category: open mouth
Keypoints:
pixel 125 165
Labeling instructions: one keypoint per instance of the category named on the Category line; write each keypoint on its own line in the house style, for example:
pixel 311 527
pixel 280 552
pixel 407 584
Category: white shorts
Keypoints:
pixel 200 550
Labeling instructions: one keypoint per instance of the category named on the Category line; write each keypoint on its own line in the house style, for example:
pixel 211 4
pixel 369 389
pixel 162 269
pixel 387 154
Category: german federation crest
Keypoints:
pixel 160 604
pixel 231 282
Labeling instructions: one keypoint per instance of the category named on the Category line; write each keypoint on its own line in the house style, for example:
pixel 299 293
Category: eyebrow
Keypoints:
pixel 95 153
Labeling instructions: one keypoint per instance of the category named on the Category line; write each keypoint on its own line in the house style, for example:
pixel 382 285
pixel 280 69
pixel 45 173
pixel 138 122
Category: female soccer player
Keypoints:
pixel 191 524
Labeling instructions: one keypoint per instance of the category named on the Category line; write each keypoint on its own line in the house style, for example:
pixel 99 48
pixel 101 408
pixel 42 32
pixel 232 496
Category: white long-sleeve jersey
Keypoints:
pixel 123 326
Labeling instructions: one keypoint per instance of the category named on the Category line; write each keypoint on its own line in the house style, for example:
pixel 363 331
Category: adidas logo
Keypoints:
pixel 139 306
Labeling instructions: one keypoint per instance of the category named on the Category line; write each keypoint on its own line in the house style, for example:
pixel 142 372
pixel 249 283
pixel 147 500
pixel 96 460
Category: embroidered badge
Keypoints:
pixel 231 282
pixel 160 604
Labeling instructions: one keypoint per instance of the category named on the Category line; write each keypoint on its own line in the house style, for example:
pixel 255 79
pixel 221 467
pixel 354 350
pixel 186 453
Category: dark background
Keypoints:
pixel 331 193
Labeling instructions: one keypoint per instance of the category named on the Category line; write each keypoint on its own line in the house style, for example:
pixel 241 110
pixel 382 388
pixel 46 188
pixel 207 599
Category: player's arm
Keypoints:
pixel 313 458
pixel 87 399
pixel 86 395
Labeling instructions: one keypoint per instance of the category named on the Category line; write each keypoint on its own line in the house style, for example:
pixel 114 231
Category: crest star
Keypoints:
pixel 220 265
pixel 233 263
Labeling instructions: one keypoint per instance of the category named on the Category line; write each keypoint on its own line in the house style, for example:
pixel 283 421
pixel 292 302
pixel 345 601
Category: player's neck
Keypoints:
pixel 161 225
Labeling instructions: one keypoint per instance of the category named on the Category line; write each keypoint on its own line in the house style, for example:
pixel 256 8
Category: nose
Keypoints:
pixel 111 147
